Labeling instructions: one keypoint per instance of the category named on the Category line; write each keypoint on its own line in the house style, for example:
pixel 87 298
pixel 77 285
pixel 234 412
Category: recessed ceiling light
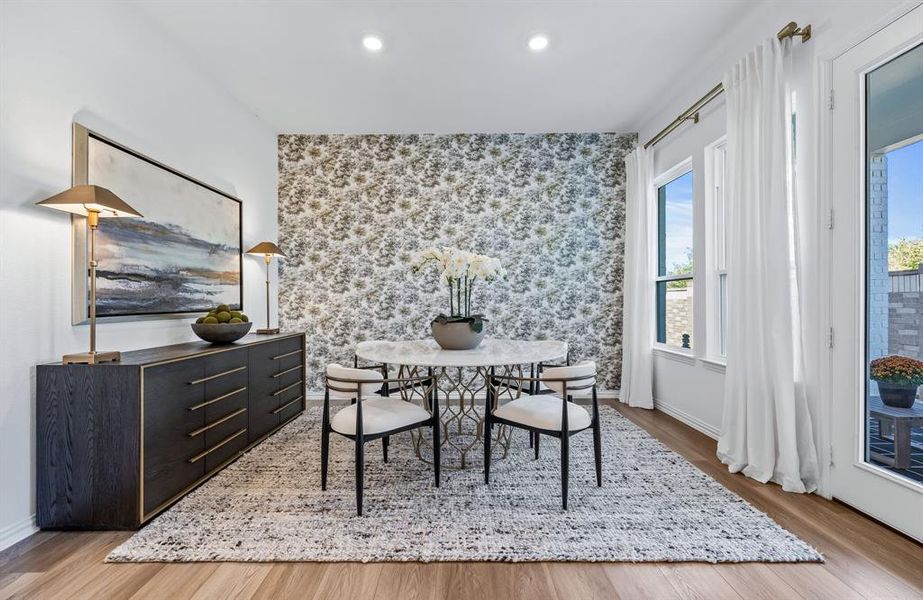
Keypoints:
pixel 372 43
pixel 537 43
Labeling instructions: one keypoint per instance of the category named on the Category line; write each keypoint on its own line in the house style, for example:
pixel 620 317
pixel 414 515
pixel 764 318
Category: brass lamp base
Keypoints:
pixel 91 358
pixel 273 330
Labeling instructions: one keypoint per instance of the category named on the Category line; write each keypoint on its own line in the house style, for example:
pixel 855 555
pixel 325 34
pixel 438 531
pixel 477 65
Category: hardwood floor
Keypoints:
pixel 864 560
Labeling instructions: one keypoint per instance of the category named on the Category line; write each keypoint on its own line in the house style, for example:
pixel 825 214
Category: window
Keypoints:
pixel 716 224
pixel 674 259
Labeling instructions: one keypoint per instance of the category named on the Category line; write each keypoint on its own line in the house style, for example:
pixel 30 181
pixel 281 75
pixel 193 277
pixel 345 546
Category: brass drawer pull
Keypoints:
pixel 286 354
pixel 202 455
pixel 286 405
pixel 216 376
pixel 281 373
pixel 218 399
pixel 218 422
pixel 288 387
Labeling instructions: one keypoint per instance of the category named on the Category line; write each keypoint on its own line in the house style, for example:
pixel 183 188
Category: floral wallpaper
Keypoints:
pixel 551 207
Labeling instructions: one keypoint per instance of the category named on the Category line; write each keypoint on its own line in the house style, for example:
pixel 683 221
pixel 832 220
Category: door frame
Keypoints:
pixel 842 176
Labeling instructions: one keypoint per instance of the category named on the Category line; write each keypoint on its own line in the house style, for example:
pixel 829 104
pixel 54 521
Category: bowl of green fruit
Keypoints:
pixel 222 325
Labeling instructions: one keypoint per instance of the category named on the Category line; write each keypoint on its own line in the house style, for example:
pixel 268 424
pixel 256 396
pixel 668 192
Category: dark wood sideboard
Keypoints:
pixel 119 442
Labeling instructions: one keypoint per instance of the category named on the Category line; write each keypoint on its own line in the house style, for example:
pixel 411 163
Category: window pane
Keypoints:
pixel 675 226
pixel 894 253
pixel 674 313
pixel 722 313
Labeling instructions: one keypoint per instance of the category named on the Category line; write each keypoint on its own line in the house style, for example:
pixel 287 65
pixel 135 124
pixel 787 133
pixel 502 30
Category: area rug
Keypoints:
pixel 653 506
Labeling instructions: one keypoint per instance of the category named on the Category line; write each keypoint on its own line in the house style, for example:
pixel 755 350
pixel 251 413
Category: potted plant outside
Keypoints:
pixel 898 378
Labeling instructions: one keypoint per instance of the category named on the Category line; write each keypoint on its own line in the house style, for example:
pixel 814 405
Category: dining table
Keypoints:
pixel 461 381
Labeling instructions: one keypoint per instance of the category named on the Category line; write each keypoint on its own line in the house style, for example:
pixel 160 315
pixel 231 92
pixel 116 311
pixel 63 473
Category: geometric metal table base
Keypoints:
pixel 461 401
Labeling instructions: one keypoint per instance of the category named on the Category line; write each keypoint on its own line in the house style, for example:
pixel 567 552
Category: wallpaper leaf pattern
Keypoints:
pixel 551 207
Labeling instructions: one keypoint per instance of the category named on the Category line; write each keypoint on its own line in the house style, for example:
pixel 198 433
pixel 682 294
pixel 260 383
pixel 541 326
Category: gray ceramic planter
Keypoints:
pixel 456 336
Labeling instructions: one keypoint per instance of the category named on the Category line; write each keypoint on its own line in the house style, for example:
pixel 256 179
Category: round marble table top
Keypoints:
pixel 491 352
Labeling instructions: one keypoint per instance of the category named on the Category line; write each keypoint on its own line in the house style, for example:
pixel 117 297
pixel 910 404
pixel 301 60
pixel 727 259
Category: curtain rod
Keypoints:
pixel 692 113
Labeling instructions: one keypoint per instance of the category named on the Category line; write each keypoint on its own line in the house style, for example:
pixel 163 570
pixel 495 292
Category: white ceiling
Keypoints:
pixel 448 66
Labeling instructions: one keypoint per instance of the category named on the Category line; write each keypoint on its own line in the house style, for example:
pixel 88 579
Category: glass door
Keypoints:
pixel 876 269
pixel 894 257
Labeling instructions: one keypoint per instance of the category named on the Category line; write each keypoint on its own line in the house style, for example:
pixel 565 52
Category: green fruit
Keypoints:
pixel 235 320
pixel 223 308
pixel 244 318
pixel 200 319
pixel 223 316
pixel 235 314
pixel 209 320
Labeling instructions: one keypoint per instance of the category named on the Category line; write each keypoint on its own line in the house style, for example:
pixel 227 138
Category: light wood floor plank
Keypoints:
pixel 291 580
pixel 356 581
pixel 176 581
pixel 581 581
pixel 640 581
pixel 698 582
pixel 757 582
pixel 233 581
pixel 13 583
pixel 408 581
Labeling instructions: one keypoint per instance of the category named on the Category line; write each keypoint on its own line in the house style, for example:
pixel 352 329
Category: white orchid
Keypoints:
pixel 459 269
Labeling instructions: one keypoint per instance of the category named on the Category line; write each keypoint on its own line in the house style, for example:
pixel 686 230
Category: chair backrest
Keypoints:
pixel 585 370
pixel 349 389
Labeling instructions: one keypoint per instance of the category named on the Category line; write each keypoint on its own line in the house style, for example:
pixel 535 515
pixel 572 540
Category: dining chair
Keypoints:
pixel 543 414
pixel 371 416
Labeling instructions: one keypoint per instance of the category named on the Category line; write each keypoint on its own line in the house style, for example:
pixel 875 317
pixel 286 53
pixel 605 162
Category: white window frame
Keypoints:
pixel 715 250
pixel 661 180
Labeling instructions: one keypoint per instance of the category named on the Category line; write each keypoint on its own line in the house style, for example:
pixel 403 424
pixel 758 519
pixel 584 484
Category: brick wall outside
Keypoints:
pixel 679 316
pixel 905 320
pixel 878 277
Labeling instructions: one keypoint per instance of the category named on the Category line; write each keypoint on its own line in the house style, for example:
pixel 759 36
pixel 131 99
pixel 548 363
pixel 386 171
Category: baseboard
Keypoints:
pixel 684 417
pixel 16 532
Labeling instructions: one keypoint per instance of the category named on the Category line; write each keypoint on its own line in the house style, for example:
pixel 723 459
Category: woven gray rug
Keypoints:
pixel 653 506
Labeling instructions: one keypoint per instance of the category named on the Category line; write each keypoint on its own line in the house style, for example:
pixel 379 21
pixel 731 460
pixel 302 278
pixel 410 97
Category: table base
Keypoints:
pixel 461 402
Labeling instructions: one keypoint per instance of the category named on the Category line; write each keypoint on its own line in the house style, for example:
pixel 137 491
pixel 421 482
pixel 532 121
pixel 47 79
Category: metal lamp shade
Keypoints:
pixel 85 199
pixel 267 249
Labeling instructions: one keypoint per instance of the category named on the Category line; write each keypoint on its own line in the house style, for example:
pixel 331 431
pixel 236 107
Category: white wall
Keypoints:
pixel 692 389
pixel 105 65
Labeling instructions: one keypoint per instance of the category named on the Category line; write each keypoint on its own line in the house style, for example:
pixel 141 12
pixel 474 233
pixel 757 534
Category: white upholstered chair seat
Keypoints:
pixel 378 414
pixel 543 412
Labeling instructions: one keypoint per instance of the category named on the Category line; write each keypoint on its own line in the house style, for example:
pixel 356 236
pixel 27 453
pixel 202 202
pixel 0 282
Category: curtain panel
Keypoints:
pixel 637 385
pixel 767 430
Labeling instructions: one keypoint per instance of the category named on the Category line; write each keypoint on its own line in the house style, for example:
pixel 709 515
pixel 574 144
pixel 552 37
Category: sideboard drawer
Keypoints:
pixel 225 436
pixel 290 345
pixel 228 382
pixel 290 408
pixel 264 364
pixel 170 392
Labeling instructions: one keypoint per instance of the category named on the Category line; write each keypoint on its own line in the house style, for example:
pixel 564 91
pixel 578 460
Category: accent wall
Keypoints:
pixel 353 208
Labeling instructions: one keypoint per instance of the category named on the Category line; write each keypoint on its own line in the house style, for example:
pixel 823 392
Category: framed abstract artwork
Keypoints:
pixel 183 256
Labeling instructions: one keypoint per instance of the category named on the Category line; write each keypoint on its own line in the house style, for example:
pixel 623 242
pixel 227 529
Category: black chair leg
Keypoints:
pixel 487 437
pixel 565 462
pixel 437 449
pixel 537 438
pixel 324 455
pixel 598 452
pixel 360 473
pixel 384 448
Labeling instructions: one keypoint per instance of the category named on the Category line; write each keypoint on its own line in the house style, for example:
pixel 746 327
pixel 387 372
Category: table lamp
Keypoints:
pixel 92 202
pixel 268 250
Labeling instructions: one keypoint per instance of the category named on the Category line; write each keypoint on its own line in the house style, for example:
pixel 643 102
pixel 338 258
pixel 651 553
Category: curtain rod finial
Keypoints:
pixel 792 29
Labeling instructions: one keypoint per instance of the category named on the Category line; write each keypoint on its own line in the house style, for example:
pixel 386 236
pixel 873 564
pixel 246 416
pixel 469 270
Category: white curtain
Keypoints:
pixel 637 384
pixel 767 428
